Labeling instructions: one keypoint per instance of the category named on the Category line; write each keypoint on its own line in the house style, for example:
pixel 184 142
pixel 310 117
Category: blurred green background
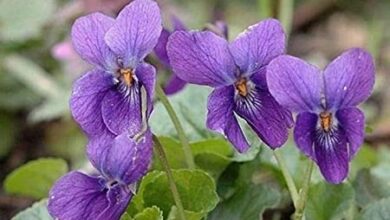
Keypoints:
pixel 38 65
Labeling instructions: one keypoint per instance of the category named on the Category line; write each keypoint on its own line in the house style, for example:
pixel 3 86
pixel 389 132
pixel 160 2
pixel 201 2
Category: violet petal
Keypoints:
pixel 118 197
pixel 97 146
pixel 221 118
pixel 161 48
pixel 135 32
pixel 223 28
pixel 88 40
pixel 305 133
pixel 85 102
pixel 349 79
pixel 78 196
pixel 177 24
pixel 352 121
pixel 331 153
pixel 258 45
pixel 121 111
pixel 295 84
pixel 259 78
pixel 267 118
pixel 201 58
pixel 146 75
pixel 174 85
pixel 127 160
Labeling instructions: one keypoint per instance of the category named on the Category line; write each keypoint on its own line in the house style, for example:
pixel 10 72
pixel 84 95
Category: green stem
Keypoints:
pixel 176 196
pixel 179 128
pixel 285 14
pixel 303 194
pixel 287 177
pixel 265 8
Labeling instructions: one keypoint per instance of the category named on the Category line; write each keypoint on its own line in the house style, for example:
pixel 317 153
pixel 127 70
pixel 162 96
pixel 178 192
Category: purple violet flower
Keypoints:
pixel 237 72
pixel 174 84
pixel 219 28
pixel 106 100
pixel 121 164
pixel 329 128
pixel 222 28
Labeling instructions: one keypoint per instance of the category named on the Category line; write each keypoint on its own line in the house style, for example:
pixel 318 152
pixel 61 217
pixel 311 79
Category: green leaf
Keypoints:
pixel 249 202
pixel 250 154
pixel 33 76
pixel 174 153
pixel 217 146
pixel 296 163
pixel 383 155
pixel 193 119
pixel 242 175
pixel 214 164
pixel 35 178
pixel 126 216
pixel 365 158
pixel 24 19
pixel 50 109
pixel 371 186
pixel 196 188
pixel 191 116
pixel 152 213
pixel 247 190
pixel 328 202
pixel 18 98
pixel 379 210
pixel 174 215
pixel 137 203
pixel 38 211
pixel 14 95
pixel 212 155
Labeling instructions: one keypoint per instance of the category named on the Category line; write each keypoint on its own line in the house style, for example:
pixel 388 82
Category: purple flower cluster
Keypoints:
pixel 255 81
pixel 112 103
pixel 252 80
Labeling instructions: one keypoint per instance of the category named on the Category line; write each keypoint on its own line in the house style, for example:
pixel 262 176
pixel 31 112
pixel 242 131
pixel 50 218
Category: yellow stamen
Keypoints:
pixel 326 121
pixel 242 87
pixel 127 76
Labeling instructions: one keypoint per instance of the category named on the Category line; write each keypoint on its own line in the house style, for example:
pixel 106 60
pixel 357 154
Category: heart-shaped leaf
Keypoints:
pixel 35 178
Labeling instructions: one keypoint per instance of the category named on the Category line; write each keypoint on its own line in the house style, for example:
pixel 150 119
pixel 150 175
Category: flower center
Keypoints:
pixel 326 121
pixel 112 183
pixel 126 75
pixel 242 87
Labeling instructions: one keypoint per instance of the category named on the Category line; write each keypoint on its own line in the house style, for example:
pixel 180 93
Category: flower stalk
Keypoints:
pixel 179 128
pixel 176 196
pixel 265 8
pixel 287 177
pixel 285 14
pixel 303 193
